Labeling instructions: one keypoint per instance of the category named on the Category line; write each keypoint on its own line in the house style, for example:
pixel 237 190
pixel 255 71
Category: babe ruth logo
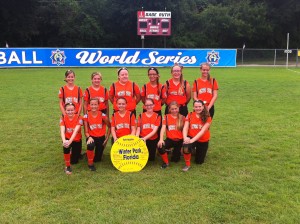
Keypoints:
pixel 213 57
pixel 58 57
pixel 129 154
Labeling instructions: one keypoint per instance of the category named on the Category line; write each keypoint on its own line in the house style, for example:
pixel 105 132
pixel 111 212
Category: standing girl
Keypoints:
pixel 96 91
pixel 206 88
pixel 154 90
pixel 122 121
pixel 196 134
pixel 125 89
pixel 70 93
pixel 172 125
pixel 147 127
pixel 95 132
pixel 178 89
pixel 70 132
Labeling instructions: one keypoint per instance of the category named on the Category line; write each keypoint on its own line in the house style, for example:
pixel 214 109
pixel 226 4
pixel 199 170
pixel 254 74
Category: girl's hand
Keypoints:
pixel 160 143
pixel 187 140
pixel 90 140
pixel 66 143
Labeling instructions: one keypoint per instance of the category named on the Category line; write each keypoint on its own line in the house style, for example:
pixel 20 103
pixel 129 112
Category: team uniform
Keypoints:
pixel 97 130
pixel 127 91
pixel 174 139
pixel 201 145
pixel 73 96
pixel 204 90
pixel 101 94
pixel 72 154
pixel 156 93
pixel 178 94
pixel 122 124
pixel 146 125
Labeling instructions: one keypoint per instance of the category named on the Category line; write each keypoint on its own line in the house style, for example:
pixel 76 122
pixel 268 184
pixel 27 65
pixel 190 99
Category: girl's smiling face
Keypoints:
pixel 121 104
pixel 94 104
pixel 96 80
pixel 70 78
pixel 123 76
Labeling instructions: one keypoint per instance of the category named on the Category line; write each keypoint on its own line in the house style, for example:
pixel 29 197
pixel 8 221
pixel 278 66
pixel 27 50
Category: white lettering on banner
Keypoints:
pixel 34 58
pixel 166 59
pixel 2 58
pixel 86 57
pixel 15 58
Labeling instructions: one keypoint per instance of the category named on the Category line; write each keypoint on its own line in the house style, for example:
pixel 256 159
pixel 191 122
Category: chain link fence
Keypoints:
pixel 267 57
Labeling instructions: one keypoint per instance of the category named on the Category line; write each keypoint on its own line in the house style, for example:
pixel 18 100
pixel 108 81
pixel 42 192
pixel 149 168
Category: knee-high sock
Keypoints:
pixel 187 159
pixel 165 158
pixel 90 156
pixel 67 158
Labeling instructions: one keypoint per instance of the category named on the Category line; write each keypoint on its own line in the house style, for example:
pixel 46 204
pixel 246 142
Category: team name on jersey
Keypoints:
pixel 196 126
pixel 71 100
pixel 124 93
pixel 69 130
pixel 146 126
pixel 172 127
pixel 122 125
pixel 205 90
pixel 175 93
pixel 95 126
pixel 153 96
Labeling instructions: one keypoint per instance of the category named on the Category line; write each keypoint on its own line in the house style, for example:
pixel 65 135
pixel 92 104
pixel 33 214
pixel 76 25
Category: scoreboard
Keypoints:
pixel 151 23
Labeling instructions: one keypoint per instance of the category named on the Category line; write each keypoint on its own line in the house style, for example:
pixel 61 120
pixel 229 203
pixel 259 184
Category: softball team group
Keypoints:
pixel 177 132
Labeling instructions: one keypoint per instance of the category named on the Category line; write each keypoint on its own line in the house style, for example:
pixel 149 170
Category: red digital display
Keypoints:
pixel 151 23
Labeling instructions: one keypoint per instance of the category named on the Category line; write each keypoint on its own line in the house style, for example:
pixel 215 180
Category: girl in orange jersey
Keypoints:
pixel 178 89
pixel 196 134
pixel 172 125
pixel 95 132
pixel 125 89
pixel 70 93
pixel 154 90
pixel 96 91
pixel 206 88
pixel 70 131
pixel 147 128
pixel 122 121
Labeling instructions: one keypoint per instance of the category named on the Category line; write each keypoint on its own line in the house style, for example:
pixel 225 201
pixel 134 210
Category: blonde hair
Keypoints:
pixel 208 65
pixel 180 122
pixel 181 88
pixel 96 73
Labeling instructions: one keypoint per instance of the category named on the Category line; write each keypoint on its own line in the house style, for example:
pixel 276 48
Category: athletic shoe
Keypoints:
pixel 68 170
pixel 164 165
pixel 92 167
pixel 186 168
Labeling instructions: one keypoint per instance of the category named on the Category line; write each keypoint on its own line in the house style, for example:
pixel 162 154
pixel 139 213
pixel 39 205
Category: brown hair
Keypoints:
pixel 96 99
pixel 157 80
pixel 204 114
pixel 68 72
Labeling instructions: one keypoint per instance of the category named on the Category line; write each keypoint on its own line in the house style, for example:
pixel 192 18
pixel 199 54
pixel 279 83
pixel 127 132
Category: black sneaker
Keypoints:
pixel 164 165
pixel 68 170
pixel 92 167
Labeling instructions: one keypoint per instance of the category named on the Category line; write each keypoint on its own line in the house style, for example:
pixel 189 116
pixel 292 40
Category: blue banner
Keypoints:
pixel 111 57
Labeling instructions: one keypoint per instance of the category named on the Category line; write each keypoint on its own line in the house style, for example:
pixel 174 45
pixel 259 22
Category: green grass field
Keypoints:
pixel 251 173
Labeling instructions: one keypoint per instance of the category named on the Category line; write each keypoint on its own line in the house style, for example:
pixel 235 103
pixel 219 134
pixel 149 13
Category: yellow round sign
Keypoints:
pixel 129 154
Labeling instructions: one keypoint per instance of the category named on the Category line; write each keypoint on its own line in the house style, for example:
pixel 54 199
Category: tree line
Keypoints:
pixel 113 23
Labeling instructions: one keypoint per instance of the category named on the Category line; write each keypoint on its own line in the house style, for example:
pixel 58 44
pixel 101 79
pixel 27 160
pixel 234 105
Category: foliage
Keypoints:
pixel 112 23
